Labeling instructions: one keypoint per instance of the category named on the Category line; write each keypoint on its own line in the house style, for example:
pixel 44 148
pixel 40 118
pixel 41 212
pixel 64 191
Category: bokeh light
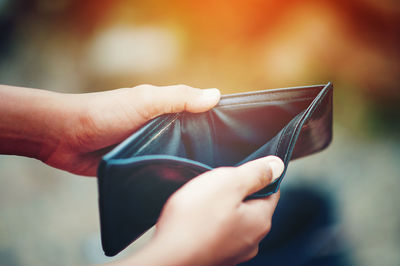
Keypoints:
pixel 237 45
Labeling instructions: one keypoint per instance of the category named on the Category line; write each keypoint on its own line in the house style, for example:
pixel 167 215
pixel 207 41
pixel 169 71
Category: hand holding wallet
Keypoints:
pixel 138 176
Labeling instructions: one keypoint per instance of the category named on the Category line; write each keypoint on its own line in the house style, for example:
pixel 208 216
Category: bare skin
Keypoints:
pixel 72 131
pixel 206 222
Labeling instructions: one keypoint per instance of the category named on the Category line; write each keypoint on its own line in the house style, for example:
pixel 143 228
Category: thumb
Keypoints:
pixel 177 98
pixel 257 174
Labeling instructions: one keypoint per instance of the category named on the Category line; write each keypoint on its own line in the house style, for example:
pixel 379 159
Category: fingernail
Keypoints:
pixel 277 167
pixel 211 94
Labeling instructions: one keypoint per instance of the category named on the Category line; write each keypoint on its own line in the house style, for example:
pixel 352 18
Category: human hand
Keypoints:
pixel 209 222
pixel 98 121
pixel 73 131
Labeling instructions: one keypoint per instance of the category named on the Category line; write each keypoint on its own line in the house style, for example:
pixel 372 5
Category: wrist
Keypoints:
pixel 30 123
pixel 163 253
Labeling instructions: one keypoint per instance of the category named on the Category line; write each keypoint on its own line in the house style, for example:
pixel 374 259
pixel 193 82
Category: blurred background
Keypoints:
pixel 49 217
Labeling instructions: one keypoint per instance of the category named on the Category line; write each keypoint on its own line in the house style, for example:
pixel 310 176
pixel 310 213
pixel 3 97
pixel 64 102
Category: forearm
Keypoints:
pixel 30 121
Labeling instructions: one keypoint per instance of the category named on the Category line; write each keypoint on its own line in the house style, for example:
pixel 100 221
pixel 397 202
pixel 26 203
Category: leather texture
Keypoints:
pixel 137 177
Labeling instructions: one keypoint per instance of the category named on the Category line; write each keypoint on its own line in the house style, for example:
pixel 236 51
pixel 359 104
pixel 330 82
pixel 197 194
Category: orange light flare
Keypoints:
pixel 360 43
pixel 356 41
pixel 231 20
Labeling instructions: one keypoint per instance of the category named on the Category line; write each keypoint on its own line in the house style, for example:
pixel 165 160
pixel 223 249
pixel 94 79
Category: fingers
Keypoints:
pixel 244 180
pixel 216 198
pixel 263 208
pixel 257 174
pixel 249 255
pixel 177 98
pixel 261 212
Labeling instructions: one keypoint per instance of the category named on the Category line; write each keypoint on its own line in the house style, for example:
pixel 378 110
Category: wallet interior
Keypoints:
pixel 137 177
pixel 232 133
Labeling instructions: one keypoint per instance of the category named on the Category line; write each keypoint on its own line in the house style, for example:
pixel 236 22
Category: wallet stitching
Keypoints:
pixel 284 93
pixel 158 133
pixel 304 118
pixel 213 131
pixel 143 138
pixel 272 91
pixel 295 129
pixel 265 101
pixel 280 140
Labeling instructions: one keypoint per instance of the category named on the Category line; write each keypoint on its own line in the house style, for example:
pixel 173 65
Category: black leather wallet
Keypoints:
pixel 137 177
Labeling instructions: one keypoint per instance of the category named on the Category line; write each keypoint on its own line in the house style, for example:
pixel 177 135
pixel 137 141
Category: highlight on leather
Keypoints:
pixel 138 176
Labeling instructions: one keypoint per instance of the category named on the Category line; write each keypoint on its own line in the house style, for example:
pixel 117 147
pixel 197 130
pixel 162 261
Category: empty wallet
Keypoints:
pixel 136 178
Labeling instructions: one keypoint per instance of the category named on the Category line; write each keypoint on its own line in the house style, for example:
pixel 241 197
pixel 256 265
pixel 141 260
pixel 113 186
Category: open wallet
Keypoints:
pixel 136 178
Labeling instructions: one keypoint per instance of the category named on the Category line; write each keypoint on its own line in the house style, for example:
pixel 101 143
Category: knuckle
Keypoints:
pixel 261 181
pixel 268 173
pixel 183 88
pixel 144 87
pixel 180 92
pixel 258 172
pixel 264 172
pixel 251 254
pixel 258 183
pixel 248 244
